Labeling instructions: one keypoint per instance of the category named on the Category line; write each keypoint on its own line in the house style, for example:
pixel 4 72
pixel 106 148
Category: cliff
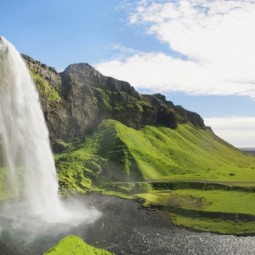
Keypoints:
pixel 76 100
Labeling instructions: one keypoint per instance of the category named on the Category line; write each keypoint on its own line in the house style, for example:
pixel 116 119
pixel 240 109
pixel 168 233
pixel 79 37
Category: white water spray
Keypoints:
pixel 25 141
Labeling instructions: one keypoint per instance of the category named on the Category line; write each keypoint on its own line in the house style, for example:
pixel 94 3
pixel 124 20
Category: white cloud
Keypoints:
pixel 121 51
pixel 238 131
pixel 216 36
pixel 123 5
pixel 159 72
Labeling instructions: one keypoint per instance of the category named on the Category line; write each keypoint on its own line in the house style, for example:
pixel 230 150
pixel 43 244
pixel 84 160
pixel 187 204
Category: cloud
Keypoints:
pixel 121 52
pixel 121 48
pixel 238 131
pixel 123 5
pixel 215 37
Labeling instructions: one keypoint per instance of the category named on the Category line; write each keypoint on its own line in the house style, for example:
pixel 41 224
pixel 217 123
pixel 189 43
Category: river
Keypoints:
pixel 125 227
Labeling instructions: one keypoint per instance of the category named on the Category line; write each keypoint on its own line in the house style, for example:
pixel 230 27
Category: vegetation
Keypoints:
pixel 218 200
pixel 45 88
pixel 228 212
pixel 237 227
pixel 75 245
pixel 198 179
pixel 118 101
pixel 116 153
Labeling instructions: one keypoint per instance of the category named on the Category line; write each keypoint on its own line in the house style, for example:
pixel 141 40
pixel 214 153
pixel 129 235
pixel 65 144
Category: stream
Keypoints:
pixel 125 227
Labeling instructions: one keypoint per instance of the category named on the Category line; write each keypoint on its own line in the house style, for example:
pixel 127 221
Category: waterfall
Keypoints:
pixel 24 136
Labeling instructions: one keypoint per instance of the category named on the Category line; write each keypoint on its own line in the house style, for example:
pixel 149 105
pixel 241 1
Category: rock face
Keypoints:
pixel 79 98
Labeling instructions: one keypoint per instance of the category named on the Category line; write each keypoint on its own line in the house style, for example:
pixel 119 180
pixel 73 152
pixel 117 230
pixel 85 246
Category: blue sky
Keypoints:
pixel 199 53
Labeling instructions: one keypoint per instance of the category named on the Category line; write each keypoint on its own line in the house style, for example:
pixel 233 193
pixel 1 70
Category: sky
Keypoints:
pixel 199 53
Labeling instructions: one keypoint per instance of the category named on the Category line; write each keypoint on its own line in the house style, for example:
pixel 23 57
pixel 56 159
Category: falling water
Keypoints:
pixel 26 148
pixel 25 136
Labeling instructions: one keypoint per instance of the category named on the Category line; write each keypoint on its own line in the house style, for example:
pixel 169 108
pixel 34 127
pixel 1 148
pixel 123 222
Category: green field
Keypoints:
pixel 199 180
pixel 114 152
pixel 221 211
pixel 215 225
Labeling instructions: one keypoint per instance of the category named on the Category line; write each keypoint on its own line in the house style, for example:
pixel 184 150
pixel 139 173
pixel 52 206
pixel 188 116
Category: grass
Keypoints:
pixel 128 189
pixel 116 153
pixel 45 89
pixel 204 200
pixel 118 160
pixel 71 245
pixel 187 153
pixel 225 212
pixel 215 225
pixel 101 157
pixel 222 201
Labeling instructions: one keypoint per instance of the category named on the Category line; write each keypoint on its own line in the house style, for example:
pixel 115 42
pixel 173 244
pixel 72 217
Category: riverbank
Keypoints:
pixel 126 227
pixel 218 207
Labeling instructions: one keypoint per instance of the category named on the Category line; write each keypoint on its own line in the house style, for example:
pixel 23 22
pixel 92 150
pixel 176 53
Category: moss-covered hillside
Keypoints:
pixel 116 153
pixel 196 178
pixel 74 245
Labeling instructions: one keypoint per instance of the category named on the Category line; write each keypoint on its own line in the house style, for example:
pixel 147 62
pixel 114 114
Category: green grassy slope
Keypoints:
pixel 116 153
pixel 74 245
pixel 220 211
pixel 185 153
pixel 199 180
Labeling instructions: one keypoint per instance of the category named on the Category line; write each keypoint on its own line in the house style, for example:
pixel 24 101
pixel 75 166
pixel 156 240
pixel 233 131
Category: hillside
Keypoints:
pixel 198 179
pixel 114 152
pixel 76 100
pixel 248 151
pixel 109 138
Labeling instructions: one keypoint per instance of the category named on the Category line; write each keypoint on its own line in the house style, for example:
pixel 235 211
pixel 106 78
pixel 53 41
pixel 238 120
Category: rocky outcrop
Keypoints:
pixel 46 72
pixel 79 98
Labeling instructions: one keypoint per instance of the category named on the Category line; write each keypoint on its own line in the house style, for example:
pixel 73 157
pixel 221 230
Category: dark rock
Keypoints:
pixel 185 116
pixel 83 97
pixel 46 72
pixel 59 146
